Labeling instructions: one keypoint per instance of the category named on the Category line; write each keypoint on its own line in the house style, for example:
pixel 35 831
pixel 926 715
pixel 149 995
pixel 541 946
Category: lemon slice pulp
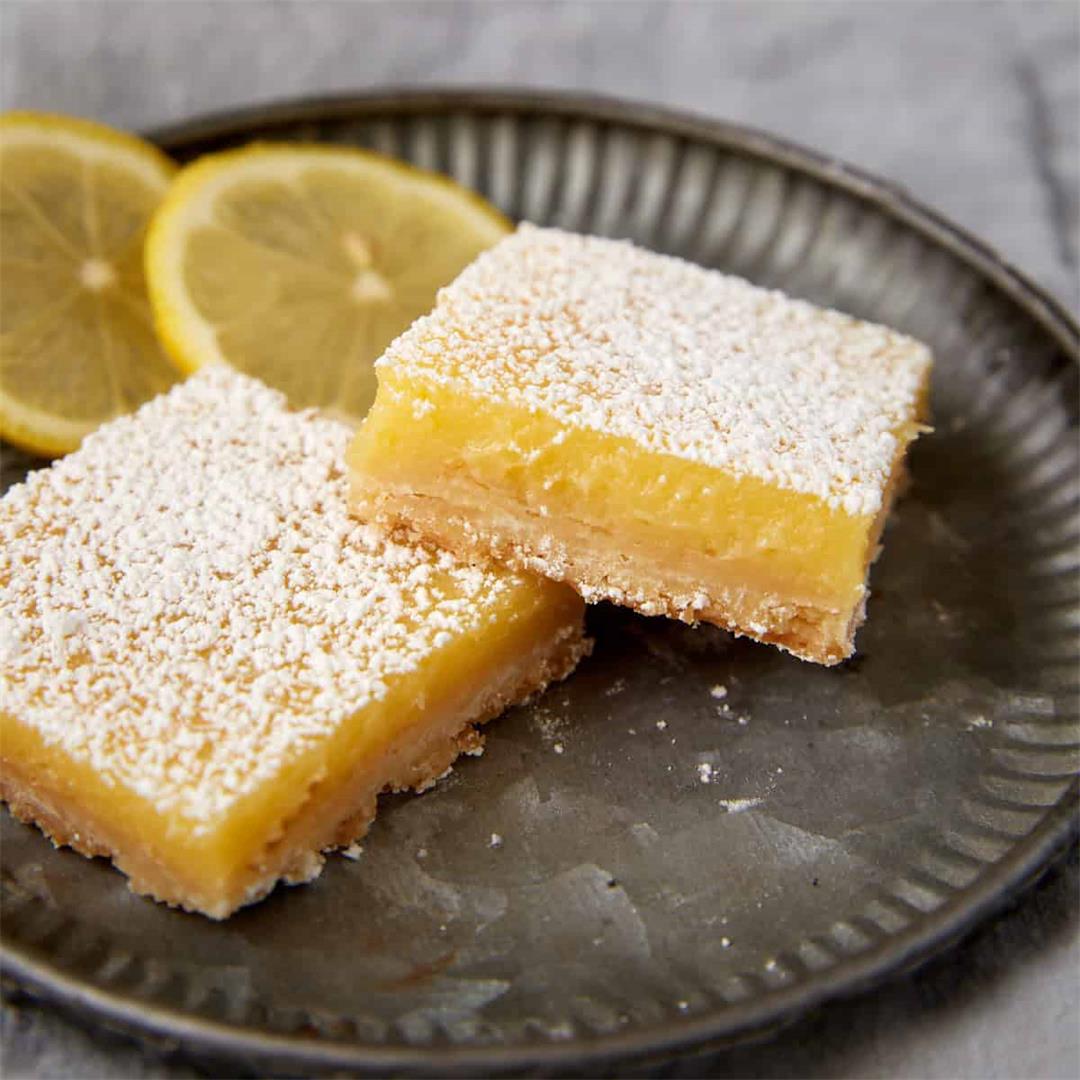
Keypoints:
pixel 300 264
pixel 77 343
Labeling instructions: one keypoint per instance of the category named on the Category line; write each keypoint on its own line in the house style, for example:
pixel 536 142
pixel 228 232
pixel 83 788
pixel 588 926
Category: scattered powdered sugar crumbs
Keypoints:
pixel 187 602
pixel 740 806
pixel 605 336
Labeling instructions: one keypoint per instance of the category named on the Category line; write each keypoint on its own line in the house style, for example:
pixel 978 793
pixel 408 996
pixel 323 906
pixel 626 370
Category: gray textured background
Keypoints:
pixel 974 107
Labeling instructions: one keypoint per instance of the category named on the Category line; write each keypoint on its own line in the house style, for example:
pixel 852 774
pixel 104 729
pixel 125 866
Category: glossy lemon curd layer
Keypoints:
pixel 424 434
pixel 217 858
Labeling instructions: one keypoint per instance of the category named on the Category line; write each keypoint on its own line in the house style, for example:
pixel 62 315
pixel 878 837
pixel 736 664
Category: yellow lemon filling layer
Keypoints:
pixel 421 434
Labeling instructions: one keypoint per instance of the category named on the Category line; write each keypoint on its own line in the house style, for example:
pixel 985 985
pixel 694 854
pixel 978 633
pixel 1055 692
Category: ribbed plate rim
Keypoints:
pixel 994 888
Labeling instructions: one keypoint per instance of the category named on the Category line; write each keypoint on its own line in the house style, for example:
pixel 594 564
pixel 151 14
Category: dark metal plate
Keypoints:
pixel 854 820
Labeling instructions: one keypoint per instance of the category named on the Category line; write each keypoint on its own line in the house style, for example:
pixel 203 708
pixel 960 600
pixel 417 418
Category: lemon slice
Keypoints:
pixel 77 343
pixel 300 264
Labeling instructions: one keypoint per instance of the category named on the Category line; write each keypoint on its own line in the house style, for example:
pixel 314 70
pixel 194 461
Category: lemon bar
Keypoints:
pixel 210 670
pixel 653 433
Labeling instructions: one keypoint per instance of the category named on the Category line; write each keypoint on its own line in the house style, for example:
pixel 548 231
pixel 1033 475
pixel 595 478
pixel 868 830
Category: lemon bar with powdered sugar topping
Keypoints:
pixel 210 670
pixel 654 433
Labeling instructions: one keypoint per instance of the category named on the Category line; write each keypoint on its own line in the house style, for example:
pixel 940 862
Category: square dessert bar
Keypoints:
pixel 210 670
pixel 654 433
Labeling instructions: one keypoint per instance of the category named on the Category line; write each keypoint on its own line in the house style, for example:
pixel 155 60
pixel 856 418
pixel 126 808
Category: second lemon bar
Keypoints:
pixel 654 433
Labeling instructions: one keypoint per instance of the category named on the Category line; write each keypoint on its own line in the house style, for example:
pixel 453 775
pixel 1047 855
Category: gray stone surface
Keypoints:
pixel 974 107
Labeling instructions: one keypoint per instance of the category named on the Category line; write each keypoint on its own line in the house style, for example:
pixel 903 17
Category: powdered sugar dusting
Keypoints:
pixel 740 806
pixel 187 604
pixel 686 361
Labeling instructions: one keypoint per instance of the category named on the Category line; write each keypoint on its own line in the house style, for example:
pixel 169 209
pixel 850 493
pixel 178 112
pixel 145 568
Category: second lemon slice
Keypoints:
pixel 300 264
